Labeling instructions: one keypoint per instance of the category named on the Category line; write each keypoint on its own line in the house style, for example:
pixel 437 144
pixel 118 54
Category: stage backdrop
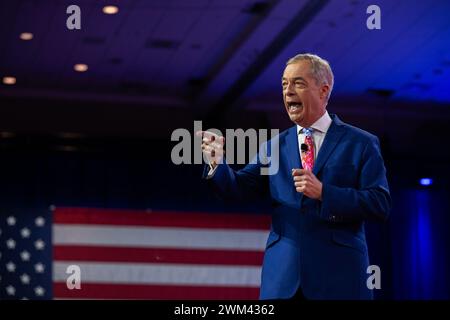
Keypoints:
pixel 411 248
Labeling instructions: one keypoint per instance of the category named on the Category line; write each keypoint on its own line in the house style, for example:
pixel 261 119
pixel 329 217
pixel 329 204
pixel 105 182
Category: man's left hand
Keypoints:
pixel 305 181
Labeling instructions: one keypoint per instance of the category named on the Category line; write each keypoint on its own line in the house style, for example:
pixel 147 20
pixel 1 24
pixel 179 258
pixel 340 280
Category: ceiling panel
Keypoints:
pixel 167 48
pixel 363 59
pixel 198 48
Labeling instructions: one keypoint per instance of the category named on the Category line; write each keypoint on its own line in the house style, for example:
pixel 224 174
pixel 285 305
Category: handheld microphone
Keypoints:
pixel 304 147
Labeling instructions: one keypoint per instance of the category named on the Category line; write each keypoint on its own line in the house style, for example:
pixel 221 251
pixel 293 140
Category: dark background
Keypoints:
pixel 102 138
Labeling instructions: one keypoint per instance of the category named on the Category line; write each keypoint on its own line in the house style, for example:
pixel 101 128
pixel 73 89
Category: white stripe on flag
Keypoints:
pixel 161 237
pixel 131 273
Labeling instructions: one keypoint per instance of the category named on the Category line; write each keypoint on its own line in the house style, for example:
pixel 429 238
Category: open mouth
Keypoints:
pixel 294 106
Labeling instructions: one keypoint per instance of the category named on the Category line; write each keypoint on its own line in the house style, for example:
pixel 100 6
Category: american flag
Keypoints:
pixel 130 254
pixel 25 255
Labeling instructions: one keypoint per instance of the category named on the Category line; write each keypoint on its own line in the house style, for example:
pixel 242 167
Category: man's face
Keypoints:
pixel 304 100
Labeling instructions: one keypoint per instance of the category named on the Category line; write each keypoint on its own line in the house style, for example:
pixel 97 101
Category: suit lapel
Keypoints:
pixel 292 148
pixel 334 134
pixel 293 155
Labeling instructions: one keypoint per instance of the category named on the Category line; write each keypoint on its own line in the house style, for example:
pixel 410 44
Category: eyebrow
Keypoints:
pixel 295 79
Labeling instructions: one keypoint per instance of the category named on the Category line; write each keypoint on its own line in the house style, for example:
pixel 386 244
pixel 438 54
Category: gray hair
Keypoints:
pixel 320 69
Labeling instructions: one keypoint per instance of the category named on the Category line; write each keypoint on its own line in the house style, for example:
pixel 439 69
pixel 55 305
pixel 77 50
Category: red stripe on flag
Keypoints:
pixel 160 218
pixel 121 291
pixel 157 255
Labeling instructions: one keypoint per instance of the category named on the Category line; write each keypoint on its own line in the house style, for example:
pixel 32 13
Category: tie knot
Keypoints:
pixel 308 131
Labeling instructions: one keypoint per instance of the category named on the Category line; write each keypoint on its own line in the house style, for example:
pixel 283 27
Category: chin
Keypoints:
pixel 296 119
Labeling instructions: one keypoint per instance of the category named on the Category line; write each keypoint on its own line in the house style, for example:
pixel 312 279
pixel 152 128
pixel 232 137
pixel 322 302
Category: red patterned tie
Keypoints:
pixel 308 152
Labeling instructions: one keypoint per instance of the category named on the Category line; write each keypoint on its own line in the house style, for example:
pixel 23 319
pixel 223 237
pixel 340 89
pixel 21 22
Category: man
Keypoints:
pixel 331 179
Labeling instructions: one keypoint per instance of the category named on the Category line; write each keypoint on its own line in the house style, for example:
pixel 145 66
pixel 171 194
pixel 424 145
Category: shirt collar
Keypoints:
pixel 322 124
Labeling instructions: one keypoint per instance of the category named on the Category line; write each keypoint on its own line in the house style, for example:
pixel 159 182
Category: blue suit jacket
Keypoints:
pixel 318 245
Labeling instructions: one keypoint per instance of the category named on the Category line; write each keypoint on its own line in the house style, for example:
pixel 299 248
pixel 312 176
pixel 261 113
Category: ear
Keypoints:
pixel 324 89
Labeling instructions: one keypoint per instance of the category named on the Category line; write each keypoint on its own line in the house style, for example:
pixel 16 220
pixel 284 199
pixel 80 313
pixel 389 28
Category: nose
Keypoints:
pixel 289 91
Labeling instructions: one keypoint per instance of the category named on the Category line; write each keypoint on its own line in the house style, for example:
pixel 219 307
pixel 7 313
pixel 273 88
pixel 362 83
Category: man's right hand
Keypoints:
pixel 212 147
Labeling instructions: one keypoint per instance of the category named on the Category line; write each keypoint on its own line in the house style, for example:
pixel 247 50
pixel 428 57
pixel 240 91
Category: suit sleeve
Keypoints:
pixel 369 201
pixel 245 184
